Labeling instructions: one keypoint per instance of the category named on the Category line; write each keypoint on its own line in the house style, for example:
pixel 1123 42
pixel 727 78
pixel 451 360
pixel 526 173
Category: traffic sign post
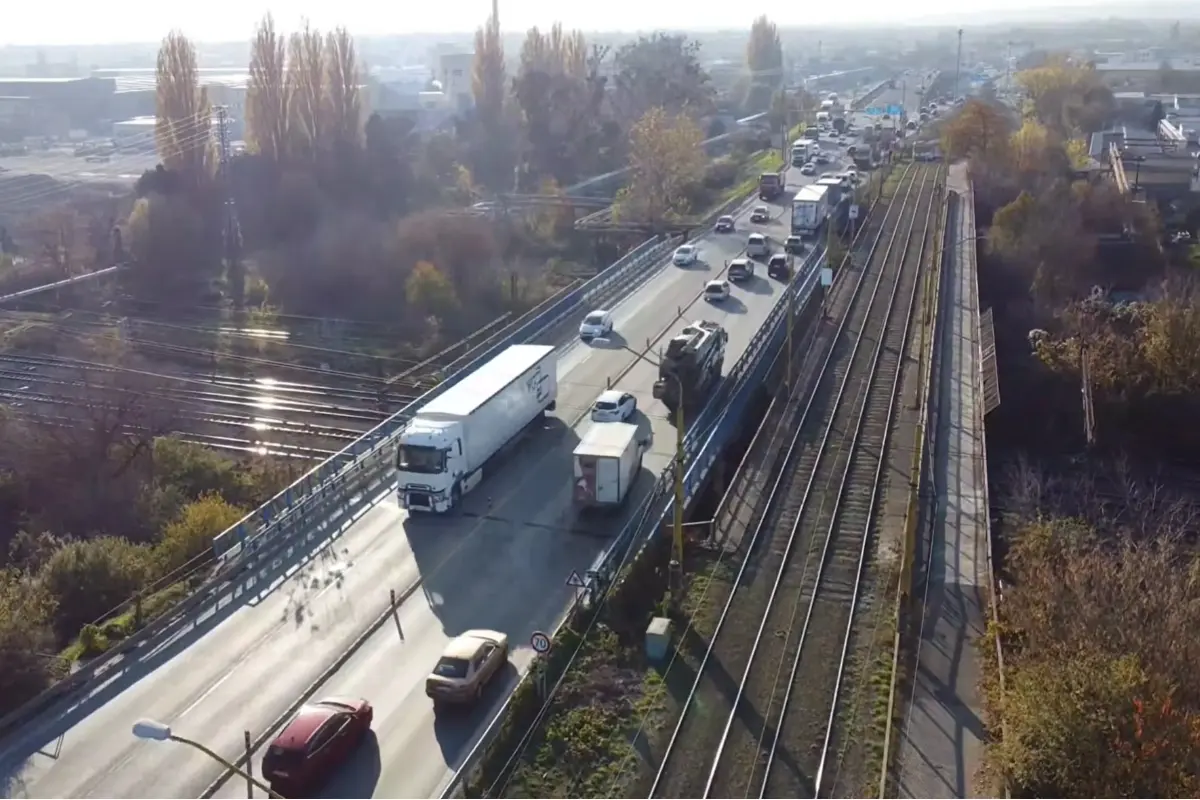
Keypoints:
pixel 576 582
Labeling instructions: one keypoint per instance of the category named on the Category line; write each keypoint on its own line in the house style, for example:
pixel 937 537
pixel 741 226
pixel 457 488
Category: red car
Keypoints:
pixel 315 743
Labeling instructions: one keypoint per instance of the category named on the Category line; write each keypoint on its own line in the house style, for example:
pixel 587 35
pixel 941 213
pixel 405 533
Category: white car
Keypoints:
pixel 595 325
pixel 757 246
pixel 685 255
pixel 716 290
pixel 613 405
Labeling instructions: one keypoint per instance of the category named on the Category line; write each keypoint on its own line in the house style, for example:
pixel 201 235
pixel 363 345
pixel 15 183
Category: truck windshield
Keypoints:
pixel 421 459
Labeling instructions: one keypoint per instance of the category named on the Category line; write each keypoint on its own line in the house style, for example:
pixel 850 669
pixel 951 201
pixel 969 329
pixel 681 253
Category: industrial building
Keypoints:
pixel 52 106
pixel 134 95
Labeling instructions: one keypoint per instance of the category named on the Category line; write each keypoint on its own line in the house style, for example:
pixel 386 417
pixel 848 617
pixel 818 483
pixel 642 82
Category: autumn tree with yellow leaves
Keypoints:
pixel 1101 698
pixel 980 130
pixel 666 157
pixel 1068 98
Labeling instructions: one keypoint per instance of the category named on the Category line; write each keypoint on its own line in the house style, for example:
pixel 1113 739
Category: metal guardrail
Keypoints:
pixel 47 287
pixel 325 493
pixel 274 513
pixel 703 445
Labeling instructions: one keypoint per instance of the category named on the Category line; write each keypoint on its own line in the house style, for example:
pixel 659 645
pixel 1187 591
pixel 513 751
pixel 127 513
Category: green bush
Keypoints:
pixel 194 471
pixel 88 578
pixel 721 174
pixel 25 638
pixel 191 534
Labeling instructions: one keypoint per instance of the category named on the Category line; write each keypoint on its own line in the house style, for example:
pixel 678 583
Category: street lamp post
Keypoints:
pixel 680 460
pixel 154 731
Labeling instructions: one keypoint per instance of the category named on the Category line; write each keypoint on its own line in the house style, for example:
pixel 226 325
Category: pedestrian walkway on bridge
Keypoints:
pixel 942 734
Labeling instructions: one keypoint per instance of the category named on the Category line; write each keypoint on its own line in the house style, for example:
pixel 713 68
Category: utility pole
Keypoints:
pixel 958 64
pixel 1008 68
pixel 234 271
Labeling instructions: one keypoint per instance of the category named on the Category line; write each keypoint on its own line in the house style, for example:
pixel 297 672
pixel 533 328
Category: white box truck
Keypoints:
pixel 607 461
pixel 444 447
pixel 810 208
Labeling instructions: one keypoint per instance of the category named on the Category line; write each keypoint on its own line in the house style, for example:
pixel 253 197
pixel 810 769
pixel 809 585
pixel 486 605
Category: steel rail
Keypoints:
pixel 828 470
pixel 772 494
pixel 894 351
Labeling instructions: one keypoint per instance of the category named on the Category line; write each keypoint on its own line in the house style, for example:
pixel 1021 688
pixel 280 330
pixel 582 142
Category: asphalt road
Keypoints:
pixel 64 166
pixel 502 564
pixel 905 94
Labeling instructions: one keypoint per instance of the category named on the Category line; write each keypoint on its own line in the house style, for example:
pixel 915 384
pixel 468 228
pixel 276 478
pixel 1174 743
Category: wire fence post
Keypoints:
pixel 249 766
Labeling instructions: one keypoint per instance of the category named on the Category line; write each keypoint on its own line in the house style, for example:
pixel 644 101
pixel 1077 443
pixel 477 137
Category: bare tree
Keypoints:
pixel 183 131
pixel 343 97
pixel 306 77
pixel 268 94
pixel 87 442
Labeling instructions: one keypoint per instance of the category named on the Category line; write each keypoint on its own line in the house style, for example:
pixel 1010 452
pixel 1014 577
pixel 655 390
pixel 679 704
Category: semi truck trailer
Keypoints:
pixel 810 208
pixel 607 462
pixel 444 448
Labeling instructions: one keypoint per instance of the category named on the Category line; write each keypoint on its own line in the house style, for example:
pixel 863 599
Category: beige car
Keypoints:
pixel 468 663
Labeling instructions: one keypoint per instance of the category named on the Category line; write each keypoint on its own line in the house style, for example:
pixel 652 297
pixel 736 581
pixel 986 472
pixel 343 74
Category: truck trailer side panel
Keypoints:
pixel 496 402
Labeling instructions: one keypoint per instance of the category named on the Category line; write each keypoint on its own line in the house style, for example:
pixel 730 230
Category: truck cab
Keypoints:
pixel 770 185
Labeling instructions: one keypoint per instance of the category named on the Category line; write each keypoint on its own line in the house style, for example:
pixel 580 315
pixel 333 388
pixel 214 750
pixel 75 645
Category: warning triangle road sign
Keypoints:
pixel 575 580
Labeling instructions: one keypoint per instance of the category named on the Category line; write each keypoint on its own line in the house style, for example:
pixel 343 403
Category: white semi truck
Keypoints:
pixel 444 447
pixel 810 209
pixel 607 462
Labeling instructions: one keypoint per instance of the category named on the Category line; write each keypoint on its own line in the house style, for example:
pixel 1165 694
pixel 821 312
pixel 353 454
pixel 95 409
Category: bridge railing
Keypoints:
pixel 273 514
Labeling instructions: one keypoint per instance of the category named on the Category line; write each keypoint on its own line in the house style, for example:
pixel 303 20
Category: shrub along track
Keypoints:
pixel 759 718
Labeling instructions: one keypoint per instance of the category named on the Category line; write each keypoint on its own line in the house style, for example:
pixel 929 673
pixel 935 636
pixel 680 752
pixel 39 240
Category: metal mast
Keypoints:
pixel 958 64
pixel 232 230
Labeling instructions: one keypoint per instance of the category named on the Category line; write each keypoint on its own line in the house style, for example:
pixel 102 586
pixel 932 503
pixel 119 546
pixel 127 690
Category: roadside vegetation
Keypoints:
pixel 1094 296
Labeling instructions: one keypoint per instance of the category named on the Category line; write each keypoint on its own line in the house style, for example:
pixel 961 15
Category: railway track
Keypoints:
pixel 291 418
pixel 762 712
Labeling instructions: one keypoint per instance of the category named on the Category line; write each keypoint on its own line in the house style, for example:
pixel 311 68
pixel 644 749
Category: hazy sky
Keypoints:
pixel 28 22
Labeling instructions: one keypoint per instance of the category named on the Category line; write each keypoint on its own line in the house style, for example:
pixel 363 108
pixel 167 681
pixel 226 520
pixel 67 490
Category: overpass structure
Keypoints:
pixel 330 587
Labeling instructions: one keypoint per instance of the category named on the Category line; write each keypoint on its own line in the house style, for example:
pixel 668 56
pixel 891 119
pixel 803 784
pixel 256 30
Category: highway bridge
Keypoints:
pixel 242 661
pixel 364 607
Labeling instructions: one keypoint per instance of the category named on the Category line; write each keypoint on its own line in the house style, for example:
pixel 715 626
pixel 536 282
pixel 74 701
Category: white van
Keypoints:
pixel 757 246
